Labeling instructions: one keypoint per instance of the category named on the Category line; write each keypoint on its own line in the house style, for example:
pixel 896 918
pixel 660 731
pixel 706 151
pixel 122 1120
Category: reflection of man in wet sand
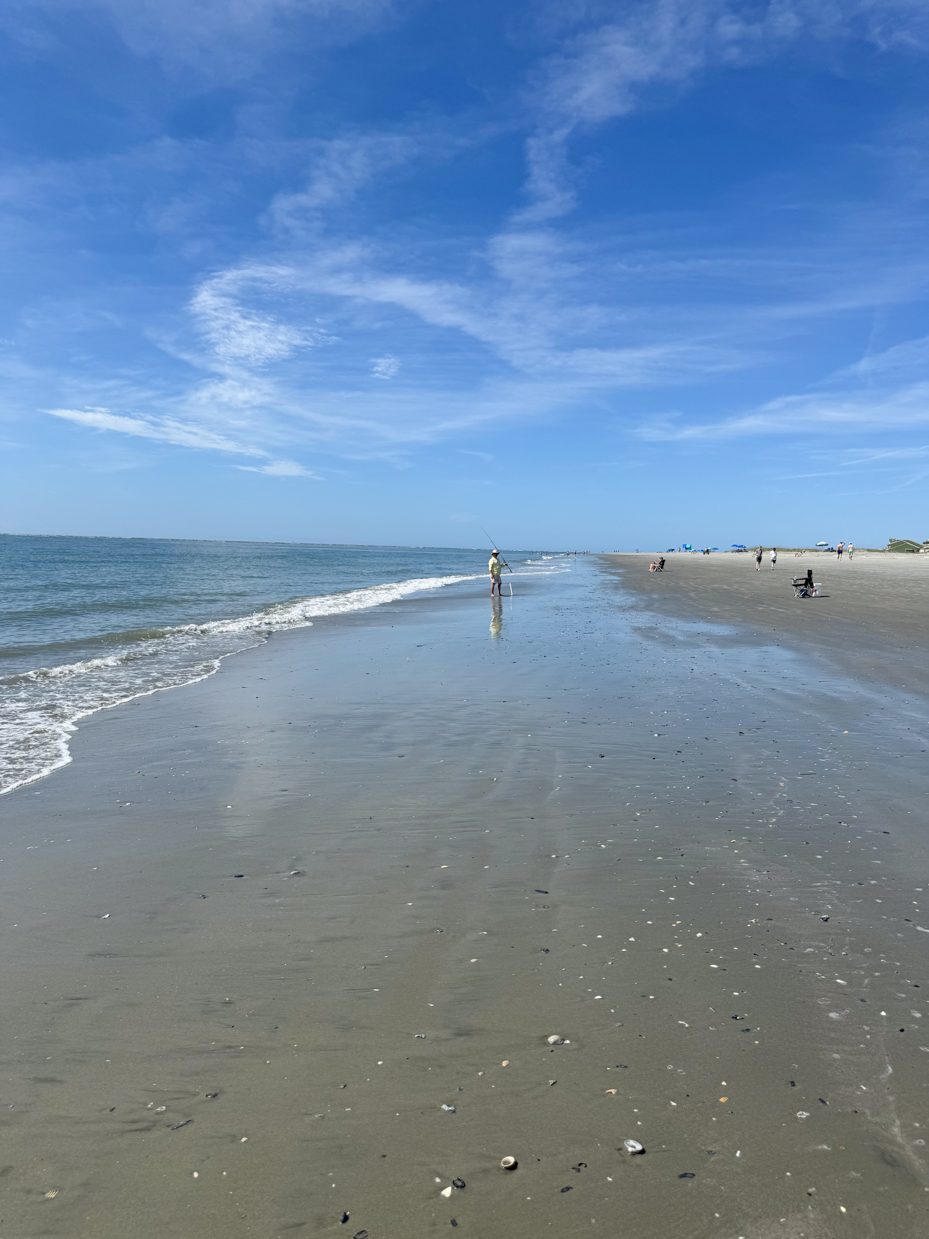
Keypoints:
pixel 496 567
pixel 496 619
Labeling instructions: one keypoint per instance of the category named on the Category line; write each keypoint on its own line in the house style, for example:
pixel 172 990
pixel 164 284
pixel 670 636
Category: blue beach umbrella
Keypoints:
pixel 736 546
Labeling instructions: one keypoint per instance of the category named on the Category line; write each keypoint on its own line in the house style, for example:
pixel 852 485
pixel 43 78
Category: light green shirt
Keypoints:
pixel 495 566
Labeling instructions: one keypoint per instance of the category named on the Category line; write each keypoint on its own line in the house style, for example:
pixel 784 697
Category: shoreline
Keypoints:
pixel 431 843
pixel 199 661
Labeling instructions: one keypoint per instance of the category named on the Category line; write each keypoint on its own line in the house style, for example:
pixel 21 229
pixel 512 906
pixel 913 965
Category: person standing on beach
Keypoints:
pixel 759 551
pixel 850 549
pixel 496 566
pixel 839 549
pixel 773 556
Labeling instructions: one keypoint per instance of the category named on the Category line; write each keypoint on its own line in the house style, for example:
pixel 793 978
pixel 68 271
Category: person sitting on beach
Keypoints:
pixel 496 566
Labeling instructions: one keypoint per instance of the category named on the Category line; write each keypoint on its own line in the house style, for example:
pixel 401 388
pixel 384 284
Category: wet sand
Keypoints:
pixel 696 853
pixel 870 620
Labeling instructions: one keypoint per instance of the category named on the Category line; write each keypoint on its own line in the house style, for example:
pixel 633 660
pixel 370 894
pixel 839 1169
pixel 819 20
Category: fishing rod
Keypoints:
pixel 505 564
pixel 493 544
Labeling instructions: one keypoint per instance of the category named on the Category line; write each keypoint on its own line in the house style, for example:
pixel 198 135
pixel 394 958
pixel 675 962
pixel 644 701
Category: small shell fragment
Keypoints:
pixel 52 1194
pixel 450 1109
pixel 554 1039
pixel 446 1191
pixel 509 1163
pixel 632 1146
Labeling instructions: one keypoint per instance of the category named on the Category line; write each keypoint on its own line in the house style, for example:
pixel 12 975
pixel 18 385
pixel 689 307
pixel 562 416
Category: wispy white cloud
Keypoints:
pixel 281 469
pixel 385 367
pixel 900 361
pixel 183 434
pixel 817 413
pixel 600 74
pixel 221 40
pixel 245 335
pixel 339 168
pixel 613 68
pixel 166 430
pixel 856 457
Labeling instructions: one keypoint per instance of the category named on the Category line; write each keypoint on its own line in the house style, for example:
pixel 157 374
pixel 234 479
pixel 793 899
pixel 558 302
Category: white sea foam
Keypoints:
pixel 39 708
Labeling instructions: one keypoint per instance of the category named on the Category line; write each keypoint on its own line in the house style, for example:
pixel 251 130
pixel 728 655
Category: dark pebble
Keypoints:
pixel 238 875
pixel 211 1095
pixel 178 1126
pixel 538 892
pixel 459 1183
pixel 566 1189
pixel 343 1219
pixel 544 950
pixel 361 1234
pixel 686 1175
pixel 454 1222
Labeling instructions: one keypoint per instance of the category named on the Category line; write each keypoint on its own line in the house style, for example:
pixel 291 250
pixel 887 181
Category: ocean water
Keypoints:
pixel 88 623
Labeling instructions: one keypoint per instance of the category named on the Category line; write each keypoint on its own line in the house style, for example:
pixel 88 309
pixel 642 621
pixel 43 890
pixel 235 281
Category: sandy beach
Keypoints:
pixel 283 949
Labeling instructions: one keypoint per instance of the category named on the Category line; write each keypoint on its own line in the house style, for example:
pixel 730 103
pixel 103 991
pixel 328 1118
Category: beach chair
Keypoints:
pixel 805 587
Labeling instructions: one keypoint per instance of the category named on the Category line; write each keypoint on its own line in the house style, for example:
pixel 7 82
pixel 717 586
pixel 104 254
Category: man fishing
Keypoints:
pixel 496 566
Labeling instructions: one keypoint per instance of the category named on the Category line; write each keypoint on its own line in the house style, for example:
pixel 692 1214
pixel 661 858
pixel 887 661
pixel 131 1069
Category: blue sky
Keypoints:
pixel 605 275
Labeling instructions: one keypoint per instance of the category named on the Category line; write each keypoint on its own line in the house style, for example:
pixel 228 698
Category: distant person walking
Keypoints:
pixel 839 549
pixel 773 556
pixel 495 567
pixel 759 553
pixel 850 549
